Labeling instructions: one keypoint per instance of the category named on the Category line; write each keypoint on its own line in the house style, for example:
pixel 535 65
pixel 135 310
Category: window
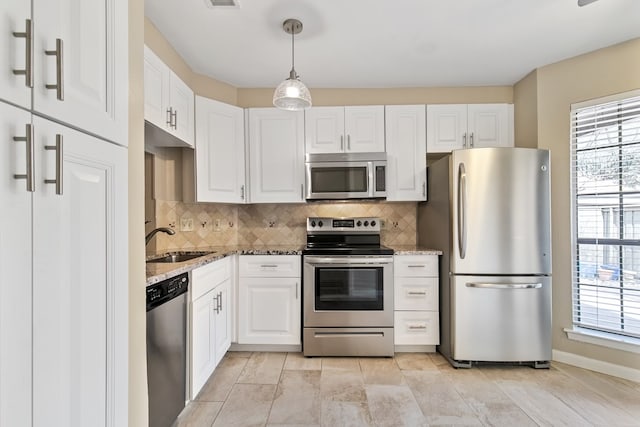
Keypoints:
pixel 605 172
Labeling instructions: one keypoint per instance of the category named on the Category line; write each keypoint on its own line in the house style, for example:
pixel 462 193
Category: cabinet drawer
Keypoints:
pixel 417 328
pixel 207 277
pixel 416 265
pixel 269 266
pixel 416 293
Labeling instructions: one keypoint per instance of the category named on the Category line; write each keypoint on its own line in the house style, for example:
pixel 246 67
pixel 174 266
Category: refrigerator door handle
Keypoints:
pixel 504 285
pixel 462 214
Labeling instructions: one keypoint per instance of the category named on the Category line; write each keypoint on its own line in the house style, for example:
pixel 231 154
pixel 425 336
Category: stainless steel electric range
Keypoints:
pixel 348 289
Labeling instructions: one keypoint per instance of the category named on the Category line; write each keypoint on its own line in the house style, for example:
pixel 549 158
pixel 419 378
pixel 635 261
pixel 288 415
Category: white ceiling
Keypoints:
pixel 389 43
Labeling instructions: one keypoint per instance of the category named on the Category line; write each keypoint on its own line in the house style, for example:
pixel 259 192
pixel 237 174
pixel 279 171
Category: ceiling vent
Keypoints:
pixel 227 4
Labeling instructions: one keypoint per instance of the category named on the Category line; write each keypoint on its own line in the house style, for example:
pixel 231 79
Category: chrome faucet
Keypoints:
pixel 153 232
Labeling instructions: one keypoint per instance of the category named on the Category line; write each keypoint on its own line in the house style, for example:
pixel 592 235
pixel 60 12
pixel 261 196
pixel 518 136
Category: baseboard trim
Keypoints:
pixel 415 348
pixel 596 365
pixel 292 348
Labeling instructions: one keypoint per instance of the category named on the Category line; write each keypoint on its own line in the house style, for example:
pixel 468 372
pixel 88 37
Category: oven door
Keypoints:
pixel 348 291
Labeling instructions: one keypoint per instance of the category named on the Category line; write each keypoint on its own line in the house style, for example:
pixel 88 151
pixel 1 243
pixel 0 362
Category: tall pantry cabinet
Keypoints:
pixel 63 186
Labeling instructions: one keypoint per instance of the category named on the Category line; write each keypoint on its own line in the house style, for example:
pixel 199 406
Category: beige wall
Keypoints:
pixel 525 106
pixel 137 311
pixel 597 74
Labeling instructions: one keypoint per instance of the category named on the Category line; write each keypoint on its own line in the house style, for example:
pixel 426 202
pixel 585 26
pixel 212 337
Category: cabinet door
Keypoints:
pixel 182 103
pixel 406 152
pixel 14 51
pixel 276 155
pixel 156 89
pixel 203 357
pixel 446 127
pixel 324 130
pixel 91 64
pixel 269 310
pixel 223 318
pixel 364 128
pixel 15 270
pixel 490 125
pixel 220 152
pixel 80 281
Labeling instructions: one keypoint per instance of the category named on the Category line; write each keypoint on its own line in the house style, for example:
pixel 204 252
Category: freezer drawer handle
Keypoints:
pixel 505 285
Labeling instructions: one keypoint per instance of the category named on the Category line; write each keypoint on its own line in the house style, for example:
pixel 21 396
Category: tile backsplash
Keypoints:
pixel 270 224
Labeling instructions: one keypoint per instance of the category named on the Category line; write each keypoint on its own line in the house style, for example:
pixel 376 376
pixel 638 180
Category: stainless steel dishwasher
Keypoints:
pixel 166 349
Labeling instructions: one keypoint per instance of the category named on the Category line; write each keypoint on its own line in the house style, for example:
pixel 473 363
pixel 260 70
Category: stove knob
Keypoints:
pixel 359 223
pixel 373 223
pixel 313 223
pixel 366 223
pixel 319 223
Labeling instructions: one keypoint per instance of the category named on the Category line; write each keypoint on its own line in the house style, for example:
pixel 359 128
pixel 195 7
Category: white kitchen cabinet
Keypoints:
pixel 168 101
pixel 456 126
pixel 406 152
pixel 211 320
pixel 276 158
pixel 344 129
pixel 416 312
pixel 219 152
pixel 269 307
pixel 80 279
pixel 79 70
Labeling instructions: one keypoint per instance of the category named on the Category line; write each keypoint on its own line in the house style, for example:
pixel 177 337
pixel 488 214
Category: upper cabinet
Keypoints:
pixel 455 126
pixel 72 57
pixel 276 158
pixel 219 152
pixel 168 102
pixel 406 152
pixel 344 129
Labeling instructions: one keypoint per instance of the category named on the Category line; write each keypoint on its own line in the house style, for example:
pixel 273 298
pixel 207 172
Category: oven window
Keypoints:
pixel 350 288
pixel 339 179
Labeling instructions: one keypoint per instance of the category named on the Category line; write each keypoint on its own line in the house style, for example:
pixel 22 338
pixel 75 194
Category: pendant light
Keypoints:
pixel 292 94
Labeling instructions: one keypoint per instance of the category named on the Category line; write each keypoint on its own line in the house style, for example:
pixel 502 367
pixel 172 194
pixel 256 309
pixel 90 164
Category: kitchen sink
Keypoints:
pixel 172 257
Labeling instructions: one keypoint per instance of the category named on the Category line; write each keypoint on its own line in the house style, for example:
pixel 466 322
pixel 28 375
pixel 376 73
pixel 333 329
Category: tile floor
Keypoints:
pixel 411 389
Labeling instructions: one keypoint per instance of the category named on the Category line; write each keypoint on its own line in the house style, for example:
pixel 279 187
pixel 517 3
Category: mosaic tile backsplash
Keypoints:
pixel 270 224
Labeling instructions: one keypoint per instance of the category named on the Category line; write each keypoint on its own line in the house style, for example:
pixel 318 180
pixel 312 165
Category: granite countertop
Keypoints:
pixel 414 250
pixel 157 272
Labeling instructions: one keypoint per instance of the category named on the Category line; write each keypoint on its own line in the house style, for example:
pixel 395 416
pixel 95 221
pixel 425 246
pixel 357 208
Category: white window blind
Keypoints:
pixel 605 172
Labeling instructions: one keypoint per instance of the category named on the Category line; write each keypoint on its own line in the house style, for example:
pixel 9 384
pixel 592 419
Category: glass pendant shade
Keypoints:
pixel 292 94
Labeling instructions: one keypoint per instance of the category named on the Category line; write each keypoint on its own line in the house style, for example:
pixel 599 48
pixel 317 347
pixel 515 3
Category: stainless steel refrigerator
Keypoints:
pixel 489 212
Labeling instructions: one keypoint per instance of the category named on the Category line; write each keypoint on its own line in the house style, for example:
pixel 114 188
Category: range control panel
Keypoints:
pixel 345 225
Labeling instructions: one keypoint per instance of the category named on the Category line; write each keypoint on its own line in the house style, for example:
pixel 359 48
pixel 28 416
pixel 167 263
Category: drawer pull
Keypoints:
pixel 417 293
pixel 417 266
pixel 418 327
pixel 269 266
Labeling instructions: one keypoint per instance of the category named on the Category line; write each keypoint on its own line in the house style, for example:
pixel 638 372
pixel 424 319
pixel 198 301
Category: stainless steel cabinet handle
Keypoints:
pixel 175 119
pixel 59 54
pixel 29 176
pixel 169 120
pixel 471 140
pixel 417 293
pixel 215 305
pixel 462 214
pixel 28 57
pixel 341 142
pixel 59 164
pixel 464 140
pixel 268 266
pixel 219 297
pixel 349 142
pixel 296 290
pixel 242 192
pixel 504 285
pixel 417 326
pixel 416 266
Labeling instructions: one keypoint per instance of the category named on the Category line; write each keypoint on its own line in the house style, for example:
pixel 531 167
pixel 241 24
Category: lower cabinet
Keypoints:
pixel 269 299
pixel 211 320
pixel 416 315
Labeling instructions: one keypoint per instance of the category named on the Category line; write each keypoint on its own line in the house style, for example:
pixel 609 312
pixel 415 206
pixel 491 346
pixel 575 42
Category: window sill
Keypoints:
pixel 604 339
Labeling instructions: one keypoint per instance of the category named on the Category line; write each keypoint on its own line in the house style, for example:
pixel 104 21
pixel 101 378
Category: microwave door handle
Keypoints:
pixel 372 183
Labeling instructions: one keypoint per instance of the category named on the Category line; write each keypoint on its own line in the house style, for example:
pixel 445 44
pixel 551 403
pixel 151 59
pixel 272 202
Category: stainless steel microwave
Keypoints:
pixel 344 176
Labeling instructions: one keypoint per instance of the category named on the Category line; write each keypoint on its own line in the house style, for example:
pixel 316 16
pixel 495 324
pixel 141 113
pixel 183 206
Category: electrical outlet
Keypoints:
pixel 186 224
pixel 216 225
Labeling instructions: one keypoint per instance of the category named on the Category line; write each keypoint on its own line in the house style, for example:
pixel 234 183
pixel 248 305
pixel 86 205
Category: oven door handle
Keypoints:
pixel 350 260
